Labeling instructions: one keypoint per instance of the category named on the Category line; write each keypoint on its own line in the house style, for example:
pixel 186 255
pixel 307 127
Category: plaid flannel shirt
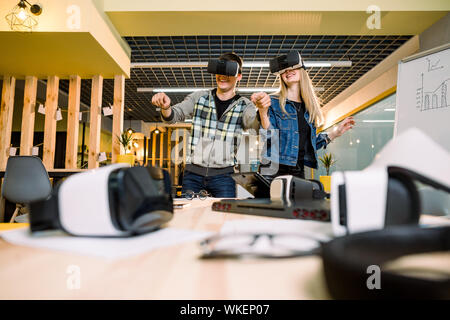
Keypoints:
pixel 214 142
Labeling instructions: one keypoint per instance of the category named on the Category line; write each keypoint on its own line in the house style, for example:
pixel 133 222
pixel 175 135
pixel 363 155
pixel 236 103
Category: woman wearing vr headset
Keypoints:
pixel 218 118
pixel 295 111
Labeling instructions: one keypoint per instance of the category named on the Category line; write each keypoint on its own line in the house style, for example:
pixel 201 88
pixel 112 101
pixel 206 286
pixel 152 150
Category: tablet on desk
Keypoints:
pixel 254 183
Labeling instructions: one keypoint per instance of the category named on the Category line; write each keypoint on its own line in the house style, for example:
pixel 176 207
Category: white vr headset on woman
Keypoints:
pixel 384 194
pixel 112 201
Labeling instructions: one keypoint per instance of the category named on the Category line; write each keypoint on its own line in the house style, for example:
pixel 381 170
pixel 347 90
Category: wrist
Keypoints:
pixel 263 113
pixel 329 137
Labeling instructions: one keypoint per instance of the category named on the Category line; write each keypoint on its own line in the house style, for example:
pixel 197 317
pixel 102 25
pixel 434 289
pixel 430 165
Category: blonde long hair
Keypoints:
pixel 308 94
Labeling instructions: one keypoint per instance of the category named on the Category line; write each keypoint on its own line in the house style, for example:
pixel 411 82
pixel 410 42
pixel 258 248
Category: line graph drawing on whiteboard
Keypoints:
pixel 433 66
pixel 436 99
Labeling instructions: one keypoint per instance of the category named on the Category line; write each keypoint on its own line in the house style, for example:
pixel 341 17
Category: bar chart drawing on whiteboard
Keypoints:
pixel 436 99
pixel 423 94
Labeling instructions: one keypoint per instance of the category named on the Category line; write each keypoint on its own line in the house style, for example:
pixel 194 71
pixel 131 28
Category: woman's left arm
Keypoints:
pixel 343 127
pixel 325 138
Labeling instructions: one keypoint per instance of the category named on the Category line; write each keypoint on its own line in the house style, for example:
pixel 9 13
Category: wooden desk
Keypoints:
pixel 167 273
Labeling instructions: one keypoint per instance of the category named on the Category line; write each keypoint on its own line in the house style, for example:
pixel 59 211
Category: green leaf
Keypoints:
pixel 327 161
pixel 125 139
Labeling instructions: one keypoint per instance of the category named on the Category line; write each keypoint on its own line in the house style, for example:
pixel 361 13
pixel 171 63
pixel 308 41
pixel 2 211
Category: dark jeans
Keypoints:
pixel 220 186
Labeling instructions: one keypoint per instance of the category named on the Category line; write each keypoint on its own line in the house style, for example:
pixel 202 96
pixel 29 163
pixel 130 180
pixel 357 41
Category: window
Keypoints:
pixel 355 150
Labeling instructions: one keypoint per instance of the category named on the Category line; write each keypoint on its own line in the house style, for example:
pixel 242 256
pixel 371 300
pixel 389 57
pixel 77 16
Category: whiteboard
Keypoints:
pixel 423 94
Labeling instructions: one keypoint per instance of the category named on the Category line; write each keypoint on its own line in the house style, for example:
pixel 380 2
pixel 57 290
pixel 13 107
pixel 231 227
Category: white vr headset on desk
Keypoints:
pixel 384 193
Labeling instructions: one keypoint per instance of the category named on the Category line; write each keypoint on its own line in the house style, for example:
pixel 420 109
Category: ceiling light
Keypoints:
pixel 248 64
pixel 192 89
pixel 257 89
pixel 378 120
pixel 389 109
pixel 317 64
pixel 22 18
pixel 170 89
pixel 255 64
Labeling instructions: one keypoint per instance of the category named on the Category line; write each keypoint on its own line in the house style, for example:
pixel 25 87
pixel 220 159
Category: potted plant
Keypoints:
pixel 125 139
pixel 327 161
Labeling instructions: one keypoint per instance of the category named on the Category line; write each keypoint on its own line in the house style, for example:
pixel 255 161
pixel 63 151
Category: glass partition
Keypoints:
pixel 356 148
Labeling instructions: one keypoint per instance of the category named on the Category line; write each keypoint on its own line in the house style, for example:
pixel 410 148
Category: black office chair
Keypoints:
pixel 26 180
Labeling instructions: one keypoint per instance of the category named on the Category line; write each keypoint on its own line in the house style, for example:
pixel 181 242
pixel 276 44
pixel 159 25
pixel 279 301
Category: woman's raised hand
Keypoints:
pixel 343 127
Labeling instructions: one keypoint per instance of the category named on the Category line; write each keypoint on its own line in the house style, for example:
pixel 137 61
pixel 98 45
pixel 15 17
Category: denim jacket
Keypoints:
pixel 287 124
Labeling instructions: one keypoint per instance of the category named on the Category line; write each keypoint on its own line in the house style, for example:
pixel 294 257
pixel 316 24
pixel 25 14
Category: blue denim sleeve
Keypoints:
pixel 321 141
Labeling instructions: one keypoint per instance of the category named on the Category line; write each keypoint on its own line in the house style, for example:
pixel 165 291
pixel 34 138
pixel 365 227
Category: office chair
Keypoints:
pixel 25 180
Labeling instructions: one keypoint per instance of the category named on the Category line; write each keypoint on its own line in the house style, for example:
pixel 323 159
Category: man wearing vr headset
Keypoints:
pixel 218 118
pixel 295 112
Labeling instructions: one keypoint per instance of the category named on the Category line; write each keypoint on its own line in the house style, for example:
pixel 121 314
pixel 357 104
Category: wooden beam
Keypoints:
pixel 73 121
pixel 184 145
pixel 95 121
pixel 2 203
pixel 28 113
pixel 153 148
pixel 161 149
pixel 169 146
pixel 6 118
pixel 176 155
pixel 118 110
pixel 51 105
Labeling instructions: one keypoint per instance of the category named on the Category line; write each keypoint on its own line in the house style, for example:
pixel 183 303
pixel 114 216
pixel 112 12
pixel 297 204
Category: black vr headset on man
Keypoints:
pixel 289 61
pixel 112 201
pixel 223 67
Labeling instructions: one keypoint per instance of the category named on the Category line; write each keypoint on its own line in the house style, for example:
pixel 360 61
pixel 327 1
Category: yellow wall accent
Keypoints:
pixel 256 17
pixel 288 5
pixel 361 107
pixel 153 23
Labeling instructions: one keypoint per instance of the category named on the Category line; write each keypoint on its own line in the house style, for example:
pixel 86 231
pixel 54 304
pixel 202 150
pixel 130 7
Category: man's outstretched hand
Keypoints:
pixel 161 100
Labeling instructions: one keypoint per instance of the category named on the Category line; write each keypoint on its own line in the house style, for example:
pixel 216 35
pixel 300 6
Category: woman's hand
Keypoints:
pixel 343 127
pixel 262 102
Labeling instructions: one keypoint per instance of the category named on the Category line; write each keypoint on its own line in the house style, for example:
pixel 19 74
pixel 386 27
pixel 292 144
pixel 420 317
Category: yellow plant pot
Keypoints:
pixel 326 181
pixel 126 158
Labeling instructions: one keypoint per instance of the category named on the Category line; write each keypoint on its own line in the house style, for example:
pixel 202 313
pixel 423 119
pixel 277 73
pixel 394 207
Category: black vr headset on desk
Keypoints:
pixel 112 201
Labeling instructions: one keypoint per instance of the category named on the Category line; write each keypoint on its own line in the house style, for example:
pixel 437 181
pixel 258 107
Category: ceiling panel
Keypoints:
pixel 365 52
